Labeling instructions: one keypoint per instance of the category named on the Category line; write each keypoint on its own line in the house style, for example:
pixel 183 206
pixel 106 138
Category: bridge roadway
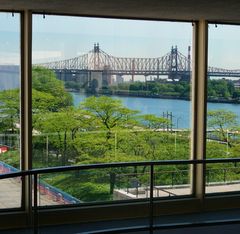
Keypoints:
pixel 211 73
pixel 174 64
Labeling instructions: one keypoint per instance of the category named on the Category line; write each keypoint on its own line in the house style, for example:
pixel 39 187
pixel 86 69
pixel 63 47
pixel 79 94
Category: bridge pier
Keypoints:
pixel 79 76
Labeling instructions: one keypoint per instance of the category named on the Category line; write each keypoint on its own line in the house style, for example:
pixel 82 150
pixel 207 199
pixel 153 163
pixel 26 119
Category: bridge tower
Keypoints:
pixel 189 58
pixel 96 51
pixel 173 63
pixel 133 69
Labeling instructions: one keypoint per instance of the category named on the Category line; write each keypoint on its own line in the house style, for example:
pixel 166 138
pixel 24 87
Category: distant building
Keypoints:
pixel 119 79
pixel 237 84
pixel 3 149
pixel 9 77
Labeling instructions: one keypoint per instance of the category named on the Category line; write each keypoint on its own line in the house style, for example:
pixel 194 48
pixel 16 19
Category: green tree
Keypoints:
pixel 155 122
pixel 110 112
pixel 72 85
pixel 10 110
pixel 62 128
pixel 222 121
pixel 44 80
pixel 220 88
pixel 48 94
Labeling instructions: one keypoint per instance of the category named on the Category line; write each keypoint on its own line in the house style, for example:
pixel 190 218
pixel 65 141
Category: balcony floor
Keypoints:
pixel 10 195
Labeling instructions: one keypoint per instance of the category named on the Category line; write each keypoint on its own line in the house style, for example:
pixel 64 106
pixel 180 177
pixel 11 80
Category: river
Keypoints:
pixel 180 109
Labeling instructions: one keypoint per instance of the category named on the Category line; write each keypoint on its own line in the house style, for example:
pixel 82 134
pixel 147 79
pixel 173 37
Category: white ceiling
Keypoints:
pixel 213 10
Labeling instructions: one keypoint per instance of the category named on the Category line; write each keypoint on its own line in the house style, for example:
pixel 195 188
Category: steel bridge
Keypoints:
pixel 98 63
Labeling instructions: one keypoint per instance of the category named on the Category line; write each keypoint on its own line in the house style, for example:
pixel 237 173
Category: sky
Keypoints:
pixel 62 37
pixel 121 38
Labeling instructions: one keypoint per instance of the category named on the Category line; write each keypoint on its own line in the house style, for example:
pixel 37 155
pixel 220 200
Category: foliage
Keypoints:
pixel 62 127
pixel 155 122
pixel 43 102
pixel 72 85
pixel 11 157
pixel 48 94
pixel 110 112
pixel 218 89
pixel 44 80
pixel 10 111
pixel 222 121
pixel 86 186
pixel 103 130
pixel 156 88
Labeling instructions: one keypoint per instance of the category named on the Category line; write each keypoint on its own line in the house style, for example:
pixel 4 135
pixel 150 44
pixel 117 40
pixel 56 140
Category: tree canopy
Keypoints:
pixel 222 121
pixel 45 81
pixel 109 111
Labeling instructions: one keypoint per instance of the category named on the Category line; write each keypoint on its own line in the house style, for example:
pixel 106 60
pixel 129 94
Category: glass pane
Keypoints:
pixel 171 181
pixel 223 138
pixel 95 185
pixel 112 184
pixel 10 108
pixel 110 90
pixel 223 178
pixel 10 196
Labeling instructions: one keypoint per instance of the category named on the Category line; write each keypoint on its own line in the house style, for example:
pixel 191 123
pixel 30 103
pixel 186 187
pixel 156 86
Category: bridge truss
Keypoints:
pixel 173 64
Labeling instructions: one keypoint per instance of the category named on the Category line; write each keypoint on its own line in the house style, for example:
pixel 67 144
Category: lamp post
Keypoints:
pixel 175 140
pixel 47 156
pixel 227 142
pixel 177 121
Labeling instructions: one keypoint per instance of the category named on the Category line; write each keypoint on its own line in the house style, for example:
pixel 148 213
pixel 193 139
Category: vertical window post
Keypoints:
pixel 26 109
pixel 199 89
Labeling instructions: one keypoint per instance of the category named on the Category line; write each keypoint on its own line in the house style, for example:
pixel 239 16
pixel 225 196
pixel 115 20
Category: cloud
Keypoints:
pixel 9 58
pixel 46 56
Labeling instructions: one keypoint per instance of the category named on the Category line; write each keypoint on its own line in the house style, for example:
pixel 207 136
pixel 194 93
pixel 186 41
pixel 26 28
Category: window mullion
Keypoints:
pixel 26 100
pixel 200 47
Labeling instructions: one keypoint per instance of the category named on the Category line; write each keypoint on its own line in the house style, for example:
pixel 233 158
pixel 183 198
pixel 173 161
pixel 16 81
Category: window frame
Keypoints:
pixel 119 211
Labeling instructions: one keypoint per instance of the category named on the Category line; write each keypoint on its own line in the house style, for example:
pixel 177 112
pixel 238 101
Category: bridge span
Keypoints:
pixel 98 66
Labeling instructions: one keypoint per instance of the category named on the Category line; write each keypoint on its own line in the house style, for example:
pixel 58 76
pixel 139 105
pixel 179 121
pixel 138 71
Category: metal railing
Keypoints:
pixel 34 173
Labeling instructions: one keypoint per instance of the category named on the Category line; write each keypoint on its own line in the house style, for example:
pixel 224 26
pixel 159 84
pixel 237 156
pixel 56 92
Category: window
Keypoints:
pixel 223 137
pixel 10 108
pixel 111 90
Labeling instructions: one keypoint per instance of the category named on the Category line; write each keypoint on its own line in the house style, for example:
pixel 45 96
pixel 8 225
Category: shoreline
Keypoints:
pixel 128 94
pixel 132 94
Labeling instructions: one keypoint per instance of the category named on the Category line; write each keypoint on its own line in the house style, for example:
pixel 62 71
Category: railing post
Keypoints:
pixel 151 198
pixel 136 189
pixel 35 203
pixel 224 175
pixel 208 176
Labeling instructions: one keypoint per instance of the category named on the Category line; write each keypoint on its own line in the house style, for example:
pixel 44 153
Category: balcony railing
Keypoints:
pixel 151 188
